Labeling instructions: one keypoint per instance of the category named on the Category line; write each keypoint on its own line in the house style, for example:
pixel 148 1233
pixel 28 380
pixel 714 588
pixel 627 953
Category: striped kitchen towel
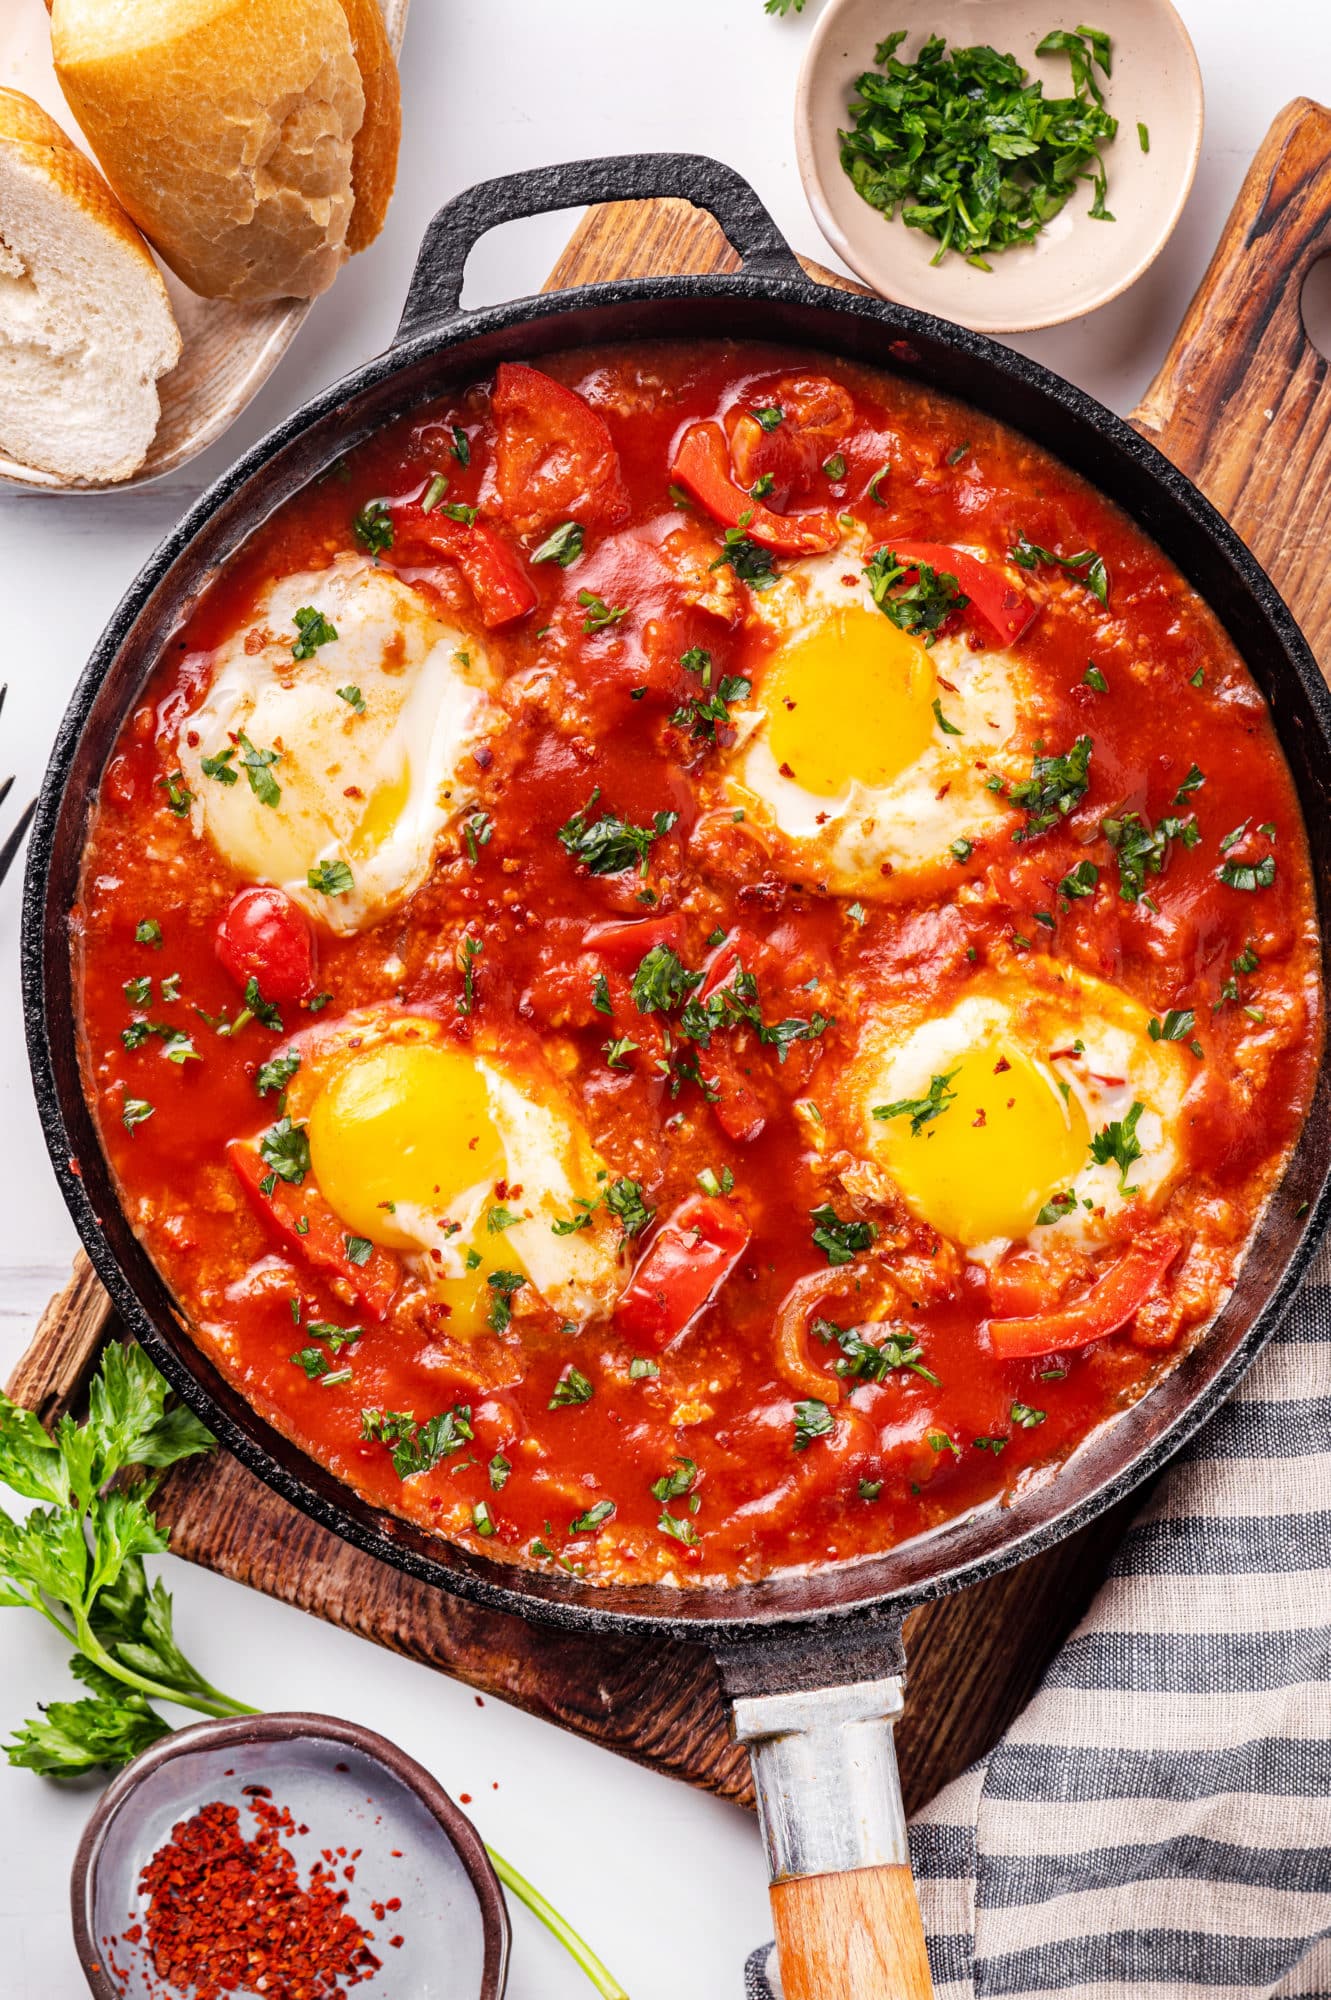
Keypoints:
pixel 1157 1823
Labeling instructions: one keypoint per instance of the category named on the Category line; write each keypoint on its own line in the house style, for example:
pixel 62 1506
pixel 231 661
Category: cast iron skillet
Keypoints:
pixel 807 1660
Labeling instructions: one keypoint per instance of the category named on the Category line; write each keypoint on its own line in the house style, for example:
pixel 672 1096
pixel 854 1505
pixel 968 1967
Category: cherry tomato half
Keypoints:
pixel 264 936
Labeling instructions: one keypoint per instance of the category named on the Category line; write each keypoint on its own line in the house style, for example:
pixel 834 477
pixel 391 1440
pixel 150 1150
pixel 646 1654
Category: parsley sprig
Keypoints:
pixel 607 845
pixel 921 607
pixel 78 1559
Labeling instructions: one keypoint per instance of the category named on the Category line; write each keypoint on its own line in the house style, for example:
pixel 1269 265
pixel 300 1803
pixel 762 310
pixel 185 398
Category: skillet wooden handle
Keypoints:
pixel 1242 403
pixel 851 1937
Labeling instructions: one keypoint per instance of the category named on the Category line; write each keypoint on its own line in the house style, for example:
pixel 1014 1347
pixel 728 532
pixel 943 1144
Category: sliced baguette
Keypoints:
pixel 227 128
pixel 86 327
pixel 374 159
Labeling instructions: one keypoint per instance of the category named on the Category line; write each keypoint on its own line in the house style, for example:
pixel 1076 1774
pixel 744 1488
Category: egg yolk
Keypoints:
pixel 851 699
pixel 404 1125
pixel 1005 1143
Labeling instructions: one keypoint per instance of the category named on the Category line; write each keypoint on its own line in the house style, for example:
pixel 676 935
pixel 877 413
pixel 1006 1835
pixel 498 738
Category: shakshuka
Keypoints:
pixel 695 961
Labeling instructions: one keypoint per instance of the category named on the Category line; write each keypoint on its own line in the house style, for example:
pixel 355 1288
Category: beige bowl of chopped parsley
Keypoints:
pixel 1007 164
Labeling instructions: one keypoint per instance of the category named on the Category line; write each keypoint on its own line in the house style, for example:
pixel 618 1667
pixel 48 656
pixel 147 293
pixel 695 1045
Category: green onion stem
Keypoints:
pixel 577 1948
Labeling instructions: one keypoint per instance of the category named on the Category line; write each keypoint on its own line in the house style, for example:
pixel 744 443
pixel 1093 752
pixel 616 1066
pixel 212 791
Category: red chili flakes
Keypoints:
pixel 228 1915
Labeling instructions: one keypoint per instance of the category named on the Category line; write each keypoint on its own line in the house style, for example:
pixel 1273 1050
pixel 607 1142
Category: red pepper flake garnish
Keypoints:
pixel 228 1915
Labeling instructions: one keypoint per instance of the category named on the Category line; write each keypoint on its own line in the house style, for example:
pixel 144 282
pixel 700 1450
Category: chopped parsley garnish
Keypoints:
pixel 920 607
pixel 460 448
pixel 1093 678
pixel 1055 786
pixel 968 149
pixel 607 845
pixel 148 931
pixel 572 1387
pixel 601 994
pixel 285 1148
pixel 948 728
pixel 866 1361
pixel 178 795
pixel 595 1517
pixel 750 561
pixel 921 1110
pixel 834 468
pixel 353 698
pixel 219 767
pixel 434 492
pixel 139 992
pixel 868 1489
pixel 1177 1025
pixel 599 613
pixel 1086 566
pixel 470 950
pixel 1142 850
pixel 564 547
pixel 457 510
pixel 770 417
pixel 499 1470
pixel 716 1184
pixel 256 764
pixel 679 1531
pixel 702 714
pixel 662 982
pixel 736 1004
pixel 136 1034
pixel 674 1484
pixel 813 1420
pixel 415 1447
pixel 134 1110
pixel 315 631
pixel 617 1050
pixel 373 529
pixel 961 850
pixel 1118 1142
pixel 477 832
pixel 1192 783
pixel 359 1249
pixel 331 878
pixel 942 1441
pixel 1029 1419
pixel 624 1200
pixel 503 1284
pixel 498 1219
pixel 481 1517
pixel 1249 874
pixel 840 1242
pixel 1056 1208
pixel 1082 880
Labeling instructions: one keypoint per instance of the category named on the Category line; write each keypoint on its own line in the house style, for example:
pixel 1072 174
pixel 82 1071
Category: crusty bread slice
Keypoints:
pixel 374 161
pixel 226 127
pixel 86 327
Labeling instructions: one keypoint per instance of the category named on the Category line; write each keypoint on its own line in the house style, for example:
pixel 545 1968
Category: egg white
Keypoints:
pixel 878 840
pixel 1084 1036
pixel 373 789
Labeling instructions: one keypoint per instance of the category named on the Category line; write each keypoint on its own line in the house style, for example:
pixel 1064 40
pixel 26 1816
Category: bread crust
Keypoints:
pixel 230 139
pixel 374 161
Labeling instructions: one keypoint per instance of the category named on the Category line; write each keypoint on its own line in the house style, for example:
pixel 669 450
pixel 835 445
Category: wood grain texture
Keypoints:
pixel 1241 404
pixel 851 1937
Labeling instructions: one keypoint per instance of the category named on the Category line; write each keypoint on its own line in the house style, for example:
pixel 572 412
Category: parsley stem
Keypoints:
pixel 206 1700
pixel 578 1950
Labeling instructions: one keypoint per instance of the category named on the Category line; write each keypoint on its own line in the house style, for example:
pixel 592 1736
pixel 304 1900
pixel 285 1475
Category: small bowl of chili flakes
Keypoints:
pixel 294 1856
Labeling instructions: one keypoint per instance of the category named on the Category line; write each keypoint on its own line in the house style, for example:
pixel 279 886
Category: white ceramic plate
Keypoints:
pixel 1076 264
pixel 229 350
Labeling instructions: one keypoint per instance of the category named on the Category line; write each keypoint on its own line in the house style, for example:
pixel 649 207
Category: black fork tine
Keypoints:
pixel 15 840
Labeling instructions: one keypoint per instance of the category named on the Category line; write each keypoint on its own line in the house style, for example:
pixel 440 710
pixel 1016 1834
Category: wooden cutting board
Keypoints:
pixel 1241 404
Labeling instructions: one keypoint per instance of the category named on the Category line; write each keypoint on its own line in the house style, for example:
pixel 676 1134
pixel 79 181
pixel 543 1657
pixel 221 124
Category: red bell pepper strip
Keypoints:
pixel 1111 1302
pixel 555 459
pixel 628 942
pixel 495 577
pixel 702 466
pixel 999 601
pixel 322 1240
pixel 263 936
pixel 687 1262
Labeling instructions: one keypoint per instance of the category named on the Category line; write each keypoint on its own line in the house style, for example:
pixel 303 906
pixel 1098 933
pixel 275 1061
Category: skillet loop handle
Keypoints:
pixel 434 298
pixel 847 1918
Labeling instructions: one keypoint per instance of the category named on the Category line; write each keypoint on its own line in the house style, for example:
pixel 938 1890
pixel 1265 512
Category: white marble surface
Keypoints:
pixel 667 1884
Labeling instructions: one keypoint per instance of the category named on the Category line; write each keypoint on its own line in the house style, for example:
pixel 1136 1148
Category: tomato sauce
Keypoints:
pixel 716 1439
